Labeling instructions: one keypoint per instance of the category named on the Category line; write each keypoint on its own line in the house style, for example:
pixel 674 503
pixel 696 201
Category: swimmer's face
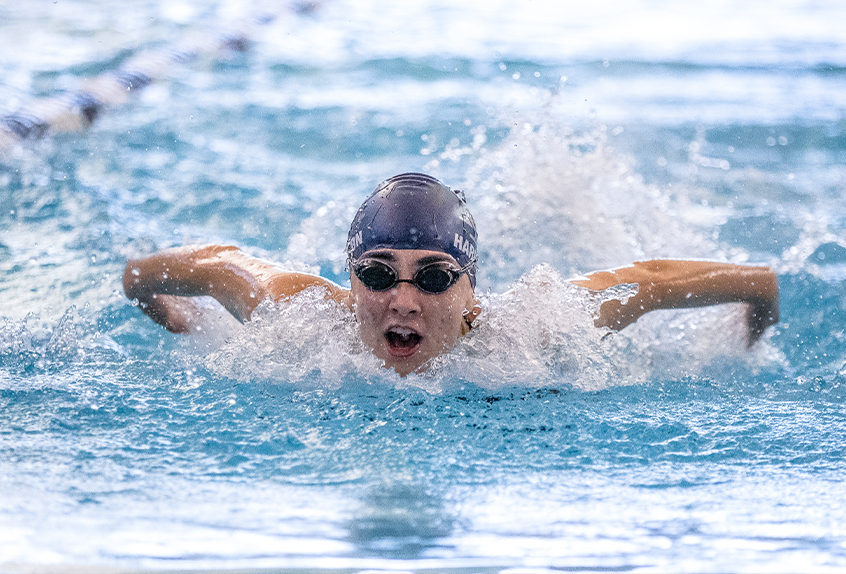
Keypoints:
pixel 405 326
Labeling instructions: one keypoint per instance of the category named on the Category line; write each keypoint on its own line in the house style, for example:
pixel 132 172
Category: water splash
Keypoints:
pixel 36 355
pixel 552 194
pixel 304 341
pixel 539 333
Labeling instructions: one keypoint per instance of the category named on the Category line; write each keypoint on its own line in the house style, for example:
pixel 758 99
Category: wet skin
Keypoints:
pixel 405 326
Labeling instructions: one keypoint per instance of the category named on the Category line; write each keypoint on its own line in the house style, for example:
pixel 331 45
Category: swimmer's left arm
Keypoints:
pixel 673 284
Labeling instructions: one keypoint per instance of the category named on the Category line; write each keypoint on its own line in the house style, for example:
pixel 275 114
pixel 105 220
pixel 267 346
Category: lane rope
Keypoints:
pixel 76 110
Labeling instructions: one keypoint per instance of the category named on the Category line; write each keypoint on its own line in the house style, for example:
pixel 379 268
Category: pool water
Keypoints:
pixel 585 137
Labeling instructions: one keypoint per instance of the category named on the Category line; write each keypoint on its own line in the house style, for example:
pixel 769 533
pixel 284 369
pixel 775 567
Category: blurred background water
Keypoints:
pixel 585 137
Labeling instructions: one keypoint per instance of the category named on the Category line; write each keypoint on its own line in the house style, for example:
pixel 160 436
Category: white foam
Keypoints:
pixel 539 333
pixel 304 341
pixel 553 194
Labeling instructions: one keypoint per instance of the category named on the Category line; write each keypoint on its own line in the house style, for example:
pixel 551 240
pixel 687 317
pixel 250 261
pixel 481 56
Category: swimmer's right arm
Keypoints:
pixel 161 282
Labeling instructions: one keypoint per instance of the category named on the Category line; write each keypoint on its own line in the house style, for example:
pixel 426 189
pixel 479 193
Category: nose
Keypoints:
pixel 405 299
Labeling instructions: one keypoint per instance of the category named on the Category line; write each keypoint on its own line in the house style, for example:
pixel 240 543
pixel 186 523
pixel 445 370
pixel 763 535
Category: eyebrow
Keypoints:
pixel 422 262
pixel 386 255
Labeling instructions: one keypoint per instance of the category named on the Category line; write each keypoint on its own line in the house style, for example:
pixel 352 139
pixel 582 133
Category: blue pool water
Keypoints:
pixel 584 138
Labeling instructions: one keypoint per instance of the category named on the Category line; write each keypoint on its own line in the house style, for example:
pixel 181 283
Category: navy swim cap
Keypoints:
pixel 415 211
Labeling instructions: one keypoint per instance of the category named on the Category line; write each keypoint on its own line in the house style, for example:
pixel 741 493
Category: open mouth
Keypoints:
pixel 402 342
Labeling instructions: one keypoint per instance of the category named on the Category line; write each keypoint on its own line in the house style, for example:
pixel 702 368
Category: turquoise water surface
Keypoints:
pixel 583 137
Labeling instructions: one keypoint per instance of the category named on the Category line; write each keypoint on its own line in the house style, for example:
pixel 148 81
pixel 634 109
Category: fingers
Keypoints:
pixel 758 317
pixel 176 314
pixel 615 315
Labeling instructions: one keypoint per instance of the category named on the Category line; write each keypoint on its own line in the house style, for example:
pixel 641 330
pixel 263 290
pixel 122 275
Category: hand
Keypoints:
pixel 759 316
pixel 176 314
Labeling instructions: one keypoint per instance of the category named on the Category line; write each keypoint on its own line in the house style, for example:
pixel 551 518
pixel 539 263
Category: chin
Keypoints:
pixel 402 369
pixel 406 366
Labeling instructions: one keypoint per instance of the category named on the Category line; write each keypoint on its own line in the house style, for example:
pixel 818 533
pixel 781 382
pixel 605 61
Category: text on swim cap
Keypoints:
pixel 465 246
pixel 354 242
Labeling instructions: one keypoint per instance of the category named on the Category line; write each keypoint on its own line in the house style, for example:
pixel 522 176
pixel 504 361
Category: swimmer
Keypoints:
pixel 411 251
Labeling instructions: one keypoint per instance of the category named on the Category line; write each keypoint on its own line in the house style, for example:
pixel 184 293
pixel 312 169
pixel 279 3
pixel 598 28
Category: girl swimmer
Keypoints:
pixel 411 251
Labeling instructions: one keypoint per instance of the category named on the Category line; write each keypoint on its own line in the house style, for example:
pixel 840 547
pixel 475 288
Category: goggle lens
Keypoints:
pixel 435 279
pixel 376 276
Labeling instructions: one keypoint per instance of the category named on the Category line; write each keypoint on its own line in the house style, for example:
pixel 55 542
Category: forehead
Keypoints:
pixel 409 256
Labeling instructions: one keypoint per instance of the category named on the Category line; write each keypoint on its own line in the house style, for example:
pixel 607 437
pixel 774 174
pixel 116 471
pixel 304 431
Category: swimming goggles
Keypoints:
pixel 432 279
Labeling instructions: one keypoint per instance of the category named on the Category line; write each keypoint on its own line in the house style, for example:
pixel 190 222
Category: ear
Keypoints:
pixel 474 311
